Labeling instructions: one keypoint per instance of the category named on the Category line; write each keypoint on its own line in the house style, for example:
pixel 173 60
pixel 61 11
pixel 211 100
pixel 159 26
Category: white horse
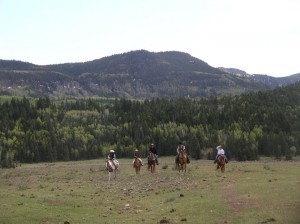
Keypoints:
pixel 112 166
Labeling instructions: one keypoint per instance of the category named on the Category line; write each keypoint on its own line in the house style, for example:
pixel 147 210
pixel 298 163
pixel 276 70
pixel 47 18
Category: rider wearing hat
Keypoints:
pixel 179 148
pixel 138 156
pixel 111 155
pixel 153 150
pixel 220 152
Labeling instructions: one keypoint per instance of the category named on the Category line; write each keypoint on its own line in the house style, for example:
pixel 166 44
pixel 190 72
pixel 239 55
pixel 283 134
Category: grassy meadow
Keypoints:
pixel 79 192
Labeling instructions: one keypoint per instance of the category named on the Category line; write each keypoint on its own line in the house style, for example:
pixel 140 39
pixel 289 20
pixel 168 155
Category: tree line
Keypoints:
pixel 247 126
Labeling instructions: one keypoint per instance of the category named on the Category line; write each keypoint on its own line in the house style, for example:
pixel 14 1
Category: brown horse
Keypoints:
pixel 221 163
pixel 182 159
pixel 137 165
pixel 151 162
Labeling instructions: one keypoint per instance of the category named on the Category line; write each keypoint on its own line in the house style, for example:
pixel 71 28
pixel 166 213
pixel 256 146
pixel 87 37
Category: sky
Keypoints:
pixel 257 36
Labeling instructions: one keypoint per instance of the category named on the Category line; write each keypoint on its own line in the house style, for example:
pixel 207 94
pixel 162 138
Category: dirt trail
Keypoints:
pixel 233 203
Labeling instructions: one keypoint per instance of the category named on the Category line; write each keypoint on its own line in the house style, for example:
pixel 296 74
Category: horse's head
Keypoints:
pixel 221 159
pixel 112 165
pixel 221 163
pixel 182 153
pixel 151 156
pixel 109 166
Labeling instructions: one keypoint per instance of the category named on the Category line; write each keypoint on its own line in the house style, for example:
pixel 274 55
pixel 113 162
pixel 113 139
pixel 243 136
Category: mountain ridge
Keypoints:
pixel 136 74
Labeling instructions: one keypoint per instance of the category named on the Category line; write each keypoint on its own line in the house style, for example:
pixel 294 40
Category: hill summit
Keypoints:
pixel 137 75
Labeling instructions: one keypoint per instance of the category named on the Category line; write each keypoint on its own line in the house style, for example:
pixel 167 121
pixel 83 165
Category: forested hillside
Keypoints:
pixel 248 126
pixel 132 75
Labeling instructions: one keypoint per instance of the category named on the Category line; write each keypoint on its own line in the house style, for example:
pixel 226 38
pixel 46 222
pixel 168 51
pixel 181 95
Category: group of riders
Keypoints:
pixel 180 148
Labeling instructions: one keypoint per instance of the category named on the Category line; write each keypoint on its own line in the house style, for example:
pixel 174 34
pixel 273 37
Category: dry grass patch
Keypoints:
pixel 79 192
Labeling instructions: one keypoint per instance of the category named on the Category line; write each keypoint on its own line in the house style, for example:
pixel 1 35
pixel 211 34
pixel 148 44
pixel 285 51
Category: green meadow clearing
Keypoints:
pixel 79 192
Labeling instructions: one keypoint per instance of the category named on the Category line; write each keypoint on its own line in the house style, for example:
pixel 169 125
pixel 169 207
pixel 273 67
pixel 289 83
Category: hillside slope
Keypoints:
pixel 136 74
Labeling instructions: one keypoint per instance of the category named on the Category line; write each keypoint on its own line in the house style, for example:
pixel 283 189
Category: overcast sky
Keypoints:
pixel 257 36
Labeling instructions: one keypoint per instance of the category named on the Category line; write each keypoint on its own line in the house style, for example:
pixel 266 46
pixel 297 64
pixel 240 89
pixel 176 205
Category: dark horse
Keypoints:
pixel 137 165
pixel 221 163
pixel 151 162
pixel 182 160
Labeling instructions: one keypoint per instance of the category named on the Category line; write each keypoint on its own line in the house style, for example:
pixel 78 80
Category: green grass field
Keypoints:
pixel 79 192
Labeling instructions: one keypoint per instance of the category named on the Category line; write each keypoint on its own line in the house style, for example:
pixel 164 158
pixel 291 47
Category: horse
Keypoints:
pixel 137 165
pixel 151 162
pixel 111 167
pixel 182 160
pixel 221 163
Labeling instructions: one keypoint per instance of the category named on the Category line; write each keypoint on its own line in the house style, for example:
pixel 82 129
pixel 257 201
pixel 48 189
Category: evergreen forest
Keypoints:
pixel 247 126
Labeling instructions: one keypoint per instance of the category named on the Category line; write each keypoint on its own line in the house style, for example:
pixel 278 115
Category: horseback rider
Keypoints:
pixel 138 156
pixel 181 147
pixel 220 152
pixel 112 156
pixel 153 150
